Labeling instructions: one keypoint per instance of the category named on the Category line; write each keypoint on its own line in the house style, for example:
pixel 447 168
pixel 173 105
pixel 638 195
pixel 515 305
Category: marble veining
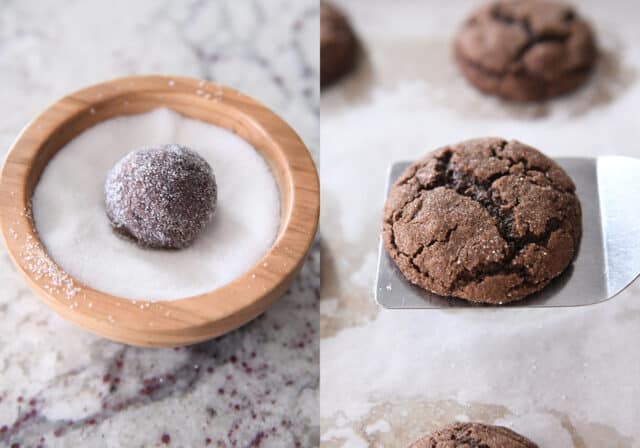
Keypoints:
pixel 61 386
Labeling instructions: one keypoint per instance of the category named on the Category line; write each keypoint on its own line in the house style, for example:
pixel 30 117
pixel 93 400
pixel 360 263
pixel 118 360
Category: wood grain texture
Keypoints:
pixel 188 320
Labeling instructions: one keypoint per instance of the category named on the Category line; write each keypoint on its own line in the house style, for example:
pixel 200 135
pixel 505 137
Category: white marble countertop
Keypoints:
pixel 61 386
pixel 563 377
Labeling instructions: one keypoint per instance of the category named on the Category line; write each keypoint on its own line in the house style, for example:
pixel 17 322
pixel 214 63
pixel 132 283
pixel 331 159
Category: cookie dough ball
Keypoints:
pixel 161 197
pixel 484 220
pixel 474 434
pixel 525 50
pixel 338 45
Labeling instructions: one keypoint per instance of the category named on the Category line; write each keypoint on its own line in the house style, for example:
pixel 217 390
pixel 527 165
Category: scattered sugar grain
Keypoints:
pixel 36 261
pixel 68 206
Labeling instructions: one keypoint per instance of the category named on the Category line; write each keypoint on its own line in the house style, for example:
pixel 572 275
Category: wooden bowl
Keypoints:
pixel 177 322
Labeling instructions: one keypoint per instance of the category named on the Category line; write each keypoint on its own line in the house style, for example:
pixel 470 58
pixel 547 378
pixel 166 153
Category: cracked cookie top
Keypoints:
pixel 525 49
pixel 485 220
pixel 474 435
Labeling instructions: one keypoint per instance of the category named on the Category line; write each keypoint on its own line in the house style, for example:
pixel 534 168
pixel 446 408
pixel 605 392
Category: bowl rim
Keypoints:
pixel 190 319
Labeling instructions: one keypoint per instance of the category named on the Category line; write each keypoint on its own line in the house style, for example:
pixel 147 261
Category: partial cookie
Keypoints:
pixel 485 220
pixel 525 50
pixel 338 45
pixel 469 435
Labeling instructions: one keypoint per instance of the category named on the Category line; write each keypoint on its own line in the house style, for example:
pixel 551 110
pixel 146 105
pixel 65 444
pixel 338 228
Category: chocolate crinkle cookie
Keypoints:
pixel 161 197
pixel 525 50
pixel 338 44
pixel 485 220
pixel 472 435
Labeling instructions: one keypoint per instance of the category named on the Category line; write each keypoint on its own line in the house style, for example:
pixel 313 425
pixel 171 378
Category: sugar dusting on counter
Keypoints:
pixel 69 214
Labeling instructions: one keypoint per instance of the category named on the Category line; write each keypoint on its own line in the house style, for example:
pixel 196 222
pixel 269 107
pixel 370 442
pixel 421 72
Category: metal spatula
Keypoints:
pixel 608 259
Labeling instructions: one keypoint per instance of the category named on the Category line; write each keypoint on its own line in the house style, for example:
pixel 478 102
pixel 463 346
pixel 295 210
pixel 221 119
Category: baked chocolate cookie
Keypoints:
pixel 469 435
pixel 484 220
pixel 338 45
pixel 525 50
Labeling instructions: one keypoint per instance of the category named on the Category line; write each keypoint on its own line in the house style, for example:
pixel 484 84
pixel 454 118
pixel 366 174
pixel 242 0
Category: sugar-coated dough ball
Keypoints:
pixel 161 197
